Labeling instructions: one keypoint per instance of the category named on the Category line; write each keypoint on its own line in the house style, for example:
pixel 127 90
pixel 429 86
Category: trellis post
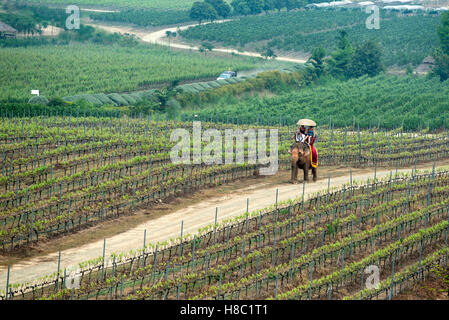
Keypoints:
pixel 180 239
pixel 104 252
pixel 7 282
pixel 57 274
pixel 215 224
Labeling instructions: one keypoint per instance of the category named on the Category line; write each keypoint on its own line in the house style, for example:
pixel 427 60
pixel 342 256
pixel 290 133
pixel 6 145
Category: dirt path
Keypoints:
pixel 194 217
pixel 159 37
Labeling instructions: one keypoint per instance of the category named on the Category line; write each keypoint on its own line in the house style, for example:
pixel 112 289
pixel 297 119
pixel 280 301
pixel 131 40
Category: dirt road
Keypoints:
pixel 159 37
pixel 194 217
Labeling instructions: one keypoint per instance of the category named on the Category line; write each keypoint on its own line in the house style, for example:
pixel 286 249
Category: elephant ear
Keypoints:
pixel 295 153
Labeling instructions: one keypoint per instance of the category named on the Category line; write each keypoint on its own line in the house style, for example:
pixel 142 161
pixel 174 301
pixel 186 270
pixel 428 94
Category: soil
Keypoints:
pixel 432 288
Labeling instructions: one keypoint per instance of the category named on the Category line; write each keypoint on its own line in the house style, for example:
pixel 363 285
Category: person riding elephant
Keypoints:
pixel 299 136
pixel 302 159
pixel 310 137
pixel 304 154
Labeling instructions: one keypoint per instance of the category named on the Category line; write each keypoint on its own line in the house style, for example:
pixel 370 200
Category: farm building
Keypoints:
pixel 395 2
pixel 426 65
pixel 365 3
pixel 329 4
pixel 404 8
pixel 7 31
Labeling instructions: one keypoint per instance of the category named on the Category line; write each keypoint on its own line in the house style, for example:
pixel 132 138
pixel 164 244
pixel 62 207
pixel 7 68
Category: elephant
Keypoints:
pixel 301 159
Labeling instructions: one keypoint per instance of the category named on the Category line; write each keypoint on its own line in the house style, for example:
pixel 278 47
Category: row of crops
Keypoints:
pixel 120 4
pixel 404 39
pixel 145 18
pixel 320 248
pixel 249 29
pixel 84 69
pixel 125 99
pixel 60 174
pixel 385 101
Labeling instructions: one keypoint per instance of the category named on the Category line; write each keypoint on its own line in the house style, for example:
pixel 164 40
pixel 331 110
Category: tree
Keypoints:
pixel 206 46
pixel 409 70
pixel 164 95
pixel 367 60
pixel 240 7
pixel 255 6
pixel 268 53
pixel 441 64
pixel 222 7
pixel 279 4
pixel 317 61
pixel 170 34
pixel 441 55
pixel 203 11
pixel 268 5
pixel 292 4
pixel 340 60
pixel 443 32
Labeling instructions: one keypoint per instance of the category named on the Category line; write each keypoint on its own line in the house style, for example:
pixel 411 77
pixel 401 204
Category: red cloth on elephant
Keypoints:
pixel 314 159
pixel 312 140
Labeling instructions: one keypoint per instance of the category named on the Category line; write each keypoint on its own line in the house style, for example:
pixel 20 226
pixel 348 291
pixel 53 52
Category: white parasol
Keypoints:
pixel 306 122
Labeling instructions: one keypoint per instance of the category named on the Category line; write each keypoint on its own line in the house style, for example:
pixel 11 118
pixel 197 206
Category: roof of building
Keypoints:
pixel 365 3
pixel 330 4
pixel 396 1
pixel 404 7
pixel 6 28
pixel 429 60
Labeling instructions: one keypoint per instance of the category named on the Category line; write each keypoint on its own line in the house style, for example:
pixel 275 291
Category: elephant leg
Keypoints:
pixel 306 173
pixel 294 173
pixel 314 174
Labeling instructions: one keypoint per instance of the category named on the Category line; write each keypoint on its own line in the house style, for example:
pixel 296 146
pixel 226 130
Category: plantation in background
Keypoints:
pixel 145 18
pixel 404 39
pixel 188 91
pixel 385 101
pixel 68 70
pixel 165 4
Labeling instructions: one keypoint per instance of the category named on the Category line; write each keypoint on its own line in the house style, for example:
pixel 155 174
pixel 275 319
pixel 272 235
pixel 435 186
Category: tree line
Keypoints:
pixel 441 54
pixel 29 19
pixel 214 9
pixel 348 61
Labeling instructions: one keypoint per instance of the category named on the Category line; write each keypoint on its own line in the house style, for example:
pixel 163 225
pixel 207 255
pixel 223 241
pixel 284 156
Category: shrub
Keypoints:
pixel 39 100
pixel 118 99
pixel 104 98
pixel 58 102
pixel 128 98
pixel 92 99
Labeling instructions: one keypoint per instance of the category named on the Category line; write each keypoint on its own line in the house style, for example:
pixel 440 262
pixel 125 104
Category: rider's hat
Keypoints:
pixel 306 122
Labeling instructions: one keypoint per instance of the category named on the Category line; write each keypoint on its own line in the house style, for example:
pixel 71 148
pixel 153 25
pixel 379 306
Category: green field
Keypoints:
pixel 405 39
pixel 68 70
pixel 416 101
pixel 166 4
pixel 143 17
